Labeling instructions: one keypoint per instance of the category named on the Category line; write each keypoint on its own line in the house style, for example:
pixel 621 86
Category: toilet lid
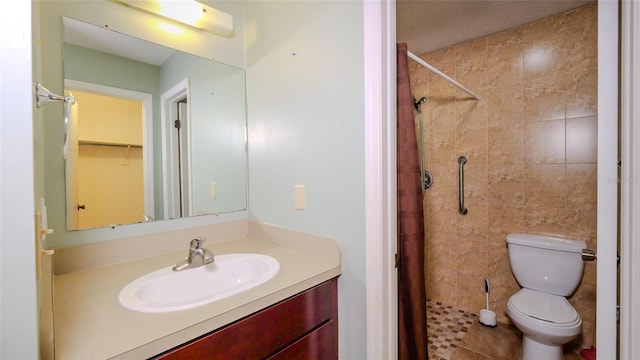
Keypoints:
pixel 543 306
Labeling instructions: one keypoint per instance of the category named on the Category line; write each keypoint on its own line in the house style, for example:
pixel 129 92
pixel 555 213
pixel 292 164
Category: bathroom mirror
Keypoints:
pixel 140 161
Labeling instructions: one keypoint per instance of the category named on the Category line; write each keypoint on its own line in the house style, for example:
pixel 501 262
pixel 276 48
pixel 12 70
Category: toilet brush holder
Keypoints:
pixel 488 318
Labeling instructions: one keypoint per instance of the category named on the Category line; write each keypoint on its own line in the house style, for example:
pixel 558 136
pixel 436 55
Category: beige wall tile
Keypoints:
pixel 443 224
pixel 548 221
pixel 506 185
pixel 582 140
pixel 475 185
pixel 505 145
pixel 544 56
pixel 441 113
pixel 422 74
pixel 440 58
pixel 545 98
pixel 470 294
pixel 582 15
pixel 544 142
pixel 442 285
pixel 472 257
pixel 504 65
pixel 545 186
pixel 473 226
pixel 582 186
pixel 582 92
pixel 472 143
pixel 444 188
pixel 585 225
pixel 439 87
pixel 471 114
pixel 444 253
pixel 505 41
pixel 505 105
pixel 441 148
pixel 505 219
pixel 582 40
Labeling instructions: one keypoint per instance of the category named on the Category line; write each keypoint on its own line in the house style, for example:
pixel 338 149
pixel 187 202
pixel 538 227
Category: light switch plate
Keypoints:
pixel 300 197
pixel 213 188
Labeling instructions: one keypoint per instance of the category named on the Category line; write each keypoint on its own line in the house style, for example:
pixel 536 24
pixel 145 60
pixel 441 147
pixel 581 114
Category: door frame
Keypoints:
pixel 171 183
pixel 147 130
pixel 380 182
pixel 629 185
pixel 380 24
pixel 607 212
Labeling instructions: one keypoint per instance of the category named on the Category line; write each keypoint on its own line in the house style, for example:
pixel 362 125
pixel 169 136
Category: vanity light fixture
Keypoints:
pixel 189 12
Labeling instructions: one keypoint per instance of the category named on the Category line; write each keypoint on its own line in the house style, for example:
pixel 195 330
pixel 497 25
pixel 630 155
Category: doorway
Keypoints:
pixel 176 161
pixel 108 157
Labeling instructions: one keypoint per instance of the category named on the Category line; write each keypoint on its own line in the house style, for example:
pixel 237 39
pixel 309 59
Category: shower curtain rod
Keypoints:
pixel 442 75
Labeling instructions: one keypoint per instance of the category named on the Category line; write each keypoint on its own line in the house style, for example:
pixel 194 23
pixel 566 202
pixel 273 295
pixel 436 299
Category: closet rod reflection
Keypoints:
pixel 101 143
pixel 462 160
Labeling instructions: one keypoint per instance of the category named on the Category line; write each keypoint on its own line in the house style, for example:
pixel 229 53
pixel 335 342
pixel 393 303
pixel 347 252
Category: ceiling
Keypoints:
pixel 112 42
pixel 427 25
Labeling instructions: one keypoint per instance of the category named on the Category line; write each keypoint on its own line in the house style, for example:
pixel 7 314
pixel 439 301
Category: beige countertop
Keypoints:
pixel 91 324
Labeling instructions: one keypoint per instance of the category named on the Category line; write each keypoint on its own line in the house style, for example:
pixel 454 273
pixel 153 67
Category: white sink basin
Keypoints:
pixel 166 290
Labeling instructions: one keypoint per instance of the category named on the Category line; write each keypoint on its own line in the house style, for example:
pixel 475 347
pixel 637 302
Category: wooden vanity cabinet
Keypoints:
pixel 304 326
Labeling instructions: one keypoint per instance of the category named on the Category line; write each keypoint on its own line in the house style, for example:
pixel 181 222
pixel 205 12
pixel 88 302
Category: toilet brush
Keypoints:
pixel 487 317
pixel 486 291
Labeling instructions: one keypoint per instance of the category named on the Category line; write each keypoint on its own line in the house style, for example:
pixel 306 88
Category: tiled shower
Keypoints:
pixel 531 144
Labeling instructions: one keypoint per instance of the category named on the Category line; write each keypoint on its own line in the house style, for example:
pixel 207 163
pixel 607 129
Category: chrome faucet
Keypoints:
pixel 198 256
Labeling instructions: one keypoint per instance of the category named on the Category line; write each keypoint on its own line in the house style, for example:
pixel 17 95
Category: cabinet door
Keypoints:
pixel 266 332
pixel 320 344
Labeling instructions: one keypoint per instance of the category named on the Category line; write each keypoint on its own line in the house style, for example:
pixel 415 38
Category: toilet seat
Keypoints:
pixel 547 322
pixel 553 310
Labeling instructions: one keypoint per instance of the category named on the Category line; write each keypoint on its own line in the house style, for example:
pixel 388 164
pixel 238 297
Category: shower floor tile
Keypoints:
pixel 457 335
pixel 446 328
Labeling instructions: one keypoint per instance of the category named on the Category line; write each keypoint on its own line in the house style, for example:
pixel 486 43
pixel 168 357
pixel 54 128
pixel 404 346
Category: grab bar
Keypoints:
pixel 462 160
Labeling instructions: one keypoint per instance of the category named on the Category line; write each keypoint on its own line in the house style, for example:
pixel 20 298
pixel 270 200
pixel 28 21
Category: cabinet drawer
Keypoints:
pixel 320 344
pixel 261 334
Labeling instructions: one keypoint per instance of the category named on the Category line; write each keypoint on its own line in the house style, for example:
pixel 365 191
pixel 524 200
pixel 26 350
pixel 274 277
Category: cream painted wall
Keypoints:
pixel 217 131
pixel 305 88
pixel 110 186
pixel 124 117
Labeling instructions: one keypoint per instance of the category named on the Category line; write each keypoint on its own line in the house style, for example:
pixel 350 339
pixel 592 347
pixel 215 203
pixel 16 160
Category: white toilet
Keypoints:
pixel 548 269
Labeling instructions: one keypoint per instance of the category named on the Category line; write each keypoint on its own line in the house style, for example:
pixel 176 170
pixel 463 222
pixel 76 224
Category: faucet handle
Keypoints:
pixel 197 242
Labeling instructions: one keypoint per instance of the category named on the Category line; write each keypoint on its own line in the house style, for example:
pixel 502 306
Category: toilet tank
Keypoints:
pixel 544 263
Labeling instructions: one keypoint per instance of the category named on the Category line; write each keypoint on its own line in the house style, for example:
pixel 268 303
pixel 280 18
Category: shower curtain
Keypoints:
pixel 412 306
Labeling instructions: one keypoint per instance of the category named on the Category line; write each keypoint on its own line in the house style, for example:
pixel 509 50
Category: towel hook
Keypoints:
pixel 45 96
